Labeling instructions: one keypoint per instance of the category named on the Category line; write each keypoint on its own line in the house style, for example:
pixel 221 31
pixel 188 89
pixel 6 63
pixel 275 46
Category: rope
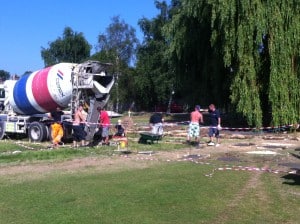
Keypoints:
pixel 241 168
pixel 171 124
pixel 224 168
pixel 21 144
pixel 296 126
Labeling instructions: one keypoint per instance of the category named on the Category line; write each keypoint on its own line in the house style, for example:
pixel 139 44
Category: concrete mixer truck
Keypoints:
pixel 25 103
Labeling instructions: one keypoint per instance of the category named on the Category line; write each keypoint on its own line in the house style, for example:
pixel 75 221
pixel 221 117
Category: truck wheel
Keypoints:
pixel 37 132
pixel 2 129
pixel 47 133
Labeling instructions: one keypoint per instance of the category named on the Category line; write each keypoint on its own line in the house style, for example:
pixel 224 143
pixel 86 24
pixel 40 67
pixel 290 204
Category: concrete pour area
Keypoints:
pixel 280 150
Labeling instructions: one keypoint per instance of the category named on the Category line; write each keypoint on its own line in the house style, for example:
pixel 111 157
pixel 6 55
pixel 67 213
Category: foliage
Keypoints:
pixel 284 49
pixel 127 90
pixel 4 75
pixel 242 56
pixel 244 51
pixel 119 41
pixel 154 78
pixel 198 68
pixel 258 40
pixel 118 45
pixel 71 47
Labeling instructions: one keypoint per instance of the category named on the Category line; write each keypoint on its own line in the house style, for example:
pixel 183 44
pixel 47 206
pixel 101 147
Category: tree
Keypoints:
pixel 4 75
pixel 118 42
pixel 118 45
pixel 199 72
pixel 245 54
pixel 260 41
pixel 154 79
pixel 71 47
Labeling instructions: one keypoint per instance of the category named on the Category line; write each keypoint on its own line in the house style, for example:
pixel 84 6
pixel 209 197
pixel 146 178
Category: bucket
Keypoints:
pixel 123 144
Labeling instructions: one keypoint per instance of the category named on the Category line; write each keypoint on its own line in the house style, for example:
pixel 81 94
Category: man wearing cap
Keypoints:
pixel 194 128
pixel 156 124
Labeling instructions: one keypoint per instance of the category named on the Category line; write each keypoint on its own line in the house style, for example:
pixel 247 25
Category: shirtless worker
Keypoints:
pixel 194 127
pixel 78 127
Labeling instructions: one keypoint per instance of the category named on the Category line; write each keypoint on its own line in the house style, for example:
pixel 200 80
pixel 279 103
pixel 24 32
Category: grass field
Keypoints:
pixel 176 192
pixel 100 185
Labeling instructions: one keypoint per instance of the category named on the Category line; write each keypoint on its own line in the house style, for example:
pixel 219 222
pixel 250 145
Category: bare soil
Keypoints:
pixel 232 145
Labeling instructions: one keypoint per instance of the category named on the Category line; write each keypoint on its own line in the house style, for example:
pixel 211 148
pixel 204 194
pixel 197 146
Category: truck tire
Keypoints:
pixel 2 129
pixel 37 132
pixel 47 136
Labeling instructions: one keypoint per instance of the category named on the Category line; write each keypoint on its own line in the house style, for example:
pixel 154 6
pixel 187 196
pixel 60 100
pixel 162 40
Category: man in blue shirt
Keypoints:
pixel 215 125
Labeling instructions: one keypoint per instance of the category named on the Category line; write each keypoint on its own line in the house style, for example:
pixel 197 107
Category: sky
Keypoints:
pixel 27 26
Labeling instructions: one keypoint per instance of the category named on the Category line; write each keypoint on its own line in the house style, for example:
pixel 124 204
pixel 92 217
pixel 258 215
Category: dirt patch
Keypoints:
pixel 134 160
pixel 87 164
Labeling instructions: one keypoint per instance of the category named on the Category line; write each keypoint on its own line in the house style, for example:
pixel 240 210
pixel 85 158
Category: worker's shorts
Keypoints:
pixel 213 131
pixel 78 133
pixel 194 130
pixel 105 132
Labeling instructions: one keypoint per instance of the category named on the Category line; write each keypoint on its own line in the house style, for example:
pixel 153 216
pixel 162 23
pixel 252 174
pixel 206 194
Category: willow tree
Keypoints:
pixel 200 73
pixel 252 49
pixel 260 42
pixel 284 48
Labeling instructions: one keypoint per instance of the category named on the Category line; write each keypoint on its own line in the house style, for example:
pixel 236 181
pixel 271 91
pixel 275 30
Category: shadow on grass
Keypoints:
pixel 291 179
pixel 297 149
pixel 295 155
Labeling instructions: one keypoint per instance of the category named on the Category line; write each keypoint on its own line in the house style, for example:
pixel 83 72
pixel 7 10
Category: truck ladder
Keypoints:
pixel 83 92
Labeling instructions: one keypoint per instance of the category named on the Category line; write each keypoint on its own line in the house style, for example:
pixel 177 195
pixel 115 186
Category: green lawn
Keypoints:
pixel 22 151
pixel 128 190
pixel 174 192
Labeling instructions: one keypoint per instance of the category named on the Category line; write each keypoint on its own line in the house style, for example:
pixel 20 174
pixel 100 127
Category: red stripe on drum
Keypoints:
pixel 41 92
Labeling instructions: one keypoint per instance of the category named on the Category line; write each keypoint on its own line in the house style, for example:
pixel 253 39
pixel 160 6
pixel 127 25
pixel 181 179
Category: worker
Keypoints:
pixel 78 127
pixel 156 124
pixel 104 121
pixel 57 131
pixel 120 130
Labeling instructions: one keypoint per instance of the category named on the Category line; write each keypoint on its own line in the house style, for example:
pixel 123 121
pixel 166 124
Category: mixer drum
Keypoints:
pixel 43 91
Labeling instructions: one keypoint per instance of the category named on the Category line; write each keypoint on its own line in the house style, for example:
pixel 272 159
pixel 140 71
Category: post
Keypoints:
pixel 170 102
pixel 117 84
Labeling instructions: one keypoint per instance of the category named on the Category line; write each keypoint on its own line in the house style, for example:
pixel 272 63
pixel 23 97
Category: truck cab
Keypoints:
pixel 2 97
